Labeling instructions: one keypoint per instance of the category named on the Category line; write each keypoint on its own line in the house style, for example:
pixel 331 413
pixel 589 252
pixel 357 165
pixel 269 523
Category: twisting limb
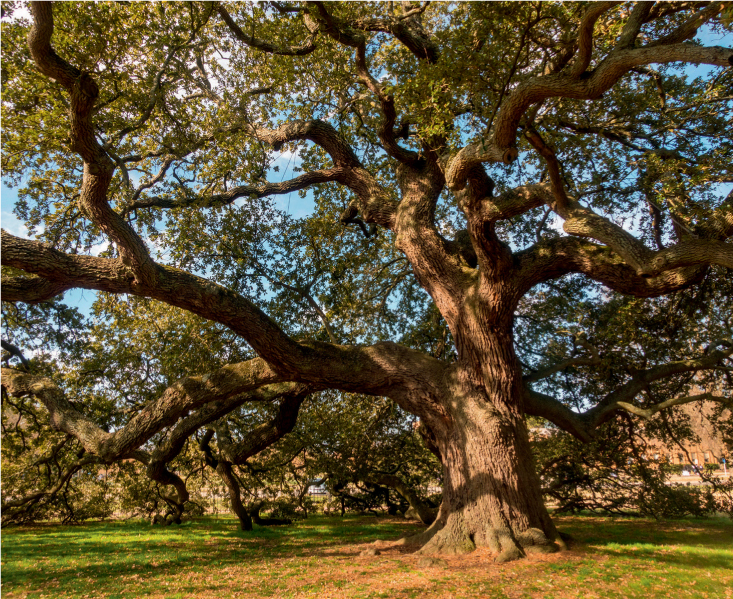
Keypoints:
pixel 514 202
pixel 553 258
pixel 689 28
pixel 582 424
pixel 263 436
pixel 305 48
pixel 98 167
pixel 13 508
pixel 177 400
pixel 647 413
pixel 15 351
pixel 637 18
pixel 408 29
pixel 224 469
pixel 268 433
pixel 500 145
pixel 583 222
pixel 386 131
pixel 585 36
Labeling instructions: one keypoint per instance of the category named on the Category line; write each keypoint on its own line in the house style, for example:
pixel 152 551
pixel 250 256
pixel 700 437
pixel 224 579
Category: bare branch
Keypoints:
pixel 647 413
pixel 252 191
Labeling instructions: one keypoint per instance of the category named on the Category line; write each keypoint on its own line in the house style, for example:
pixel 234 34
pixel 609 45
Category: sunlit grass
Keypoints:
pixel 319 558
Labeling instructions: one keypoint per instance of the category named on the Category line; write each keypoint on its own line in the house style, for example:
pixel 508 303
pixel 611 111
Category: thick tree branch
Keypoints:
pixel 98 167
pixel 637 18
pixel 500 146
pixel 514 202
pixel 581 425
pixel 377 369
pixel 268 433
pixel 585 36
pixel 689 28
pixel 15 351
pixel 408 29
pixel 185 395
pixel 641 380
pixel 553 258
pixel 583 222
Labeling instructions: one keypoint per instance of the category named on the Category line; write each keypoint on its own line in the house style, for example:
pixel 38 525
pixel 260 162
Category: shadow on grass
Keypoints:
pixel 106 552
pixel 107 557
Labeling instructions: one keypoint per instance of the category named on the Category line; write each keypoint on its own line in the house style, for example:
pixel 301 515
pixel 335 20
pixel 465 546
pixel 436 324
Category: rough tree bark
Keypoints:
pixel 491 492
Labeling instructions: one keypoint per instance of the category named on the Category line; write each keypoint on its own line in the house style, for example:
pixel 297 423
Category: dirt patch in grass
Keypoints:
pixel 321 558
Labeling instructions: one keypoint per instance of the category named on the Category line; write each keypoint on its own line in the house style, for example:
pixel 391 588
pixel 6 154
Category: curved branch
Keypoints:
pixel 500 146
pixel 305 48
pixel 382 369
pixel 647 413
pixel 63 478
pixel 185 395
pixel 581 425
pixel 637 18
pixel 98 167
pixel 584 222
pixel 15 351
pixel 514 202
pixel 251 191
pixel 408 29
pixel 585 36
pixel 386 130
pixel 611 403
pixel 553 258
pixel 689 28
pixel 270 432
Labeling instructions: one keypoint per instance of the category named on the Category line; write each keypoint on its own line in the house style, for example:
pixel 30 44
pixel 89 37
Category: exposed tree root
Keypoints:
pixel 451 536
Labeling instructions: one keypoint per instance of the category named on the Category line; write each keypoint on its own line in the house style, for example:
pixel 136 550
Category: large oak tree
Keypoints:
pixel 500 150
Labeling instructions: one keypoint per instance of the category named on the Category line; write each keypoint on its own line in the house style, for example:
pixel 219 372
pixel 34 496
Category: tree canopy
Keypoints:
pixel 482 211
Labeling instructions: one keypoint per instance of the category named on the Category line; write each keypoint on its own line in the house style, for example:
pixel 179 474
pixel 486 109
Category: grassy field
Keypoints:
pixel 320 558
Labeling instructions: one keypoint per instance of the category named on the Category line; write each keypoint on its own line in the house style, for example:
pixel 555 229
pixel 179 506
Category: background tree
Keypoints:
pixel 407 120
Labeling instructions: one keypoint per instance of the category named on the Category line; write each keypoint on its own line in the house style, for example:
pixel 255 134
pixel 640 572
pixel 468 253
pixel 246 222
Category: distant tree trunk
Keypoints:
pixel 224 469
pixel 254 511
pixel 424 511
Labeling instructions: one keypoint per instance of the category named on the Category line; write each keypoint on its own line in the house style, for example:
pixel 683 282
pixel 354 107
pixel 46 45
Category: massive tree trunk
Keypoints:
pixel 491 491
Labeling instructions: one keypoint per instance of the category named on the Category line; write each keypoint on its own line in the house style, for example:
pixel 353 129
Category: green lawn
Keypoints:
pixel 320 558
